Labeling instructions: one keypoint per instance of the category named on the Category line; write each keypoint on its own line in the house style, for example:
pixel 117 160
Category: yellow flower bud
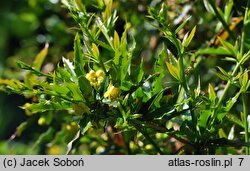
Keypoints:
pixel 112 92
pixel 26 107
pixel 41 121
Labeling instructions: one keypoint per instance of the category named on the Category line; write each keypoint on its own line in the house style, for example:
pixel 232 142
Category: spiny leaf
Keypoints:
pixel 68 65
pixel 25 66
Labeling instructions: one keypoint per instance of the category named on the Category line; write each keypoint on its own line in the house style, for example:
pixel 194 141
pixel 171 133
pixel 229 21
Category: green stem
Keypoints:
pixel 225 25
pixel 244 97
pixel 228 84
pixel 245 112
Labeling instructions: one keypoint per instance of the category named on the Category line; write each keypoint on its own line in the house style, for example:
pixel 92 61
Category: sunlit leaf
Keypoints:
pixel 187 41
pixel 173 71
pixel 40 57
pixel 212 94
pixel 116 40
pixel 95 51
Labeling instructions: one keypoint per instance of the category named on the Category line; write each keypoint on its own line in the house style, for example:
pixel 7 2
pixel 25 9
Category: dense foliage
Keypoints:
pixel 146 77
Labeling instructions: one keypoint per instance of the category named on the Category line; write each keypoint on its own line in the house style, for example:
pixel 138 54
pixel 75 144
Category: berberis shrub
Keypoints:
pixel 111 99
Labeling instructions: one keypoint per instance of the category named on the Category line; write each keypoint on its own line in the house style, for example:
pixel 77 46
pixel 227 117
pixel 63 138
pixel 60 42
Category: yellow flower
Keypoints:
pixel 112 92
pixel 95 78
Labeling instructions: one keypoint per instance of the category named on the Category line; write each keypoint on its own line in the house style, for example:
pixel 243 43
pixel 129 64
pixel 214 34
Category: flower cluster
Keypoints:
pixel 95 78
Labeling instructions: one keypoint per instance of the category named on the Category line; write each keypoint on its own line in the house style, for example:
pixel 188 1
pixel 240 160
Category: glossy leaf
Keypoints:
pixel 173 71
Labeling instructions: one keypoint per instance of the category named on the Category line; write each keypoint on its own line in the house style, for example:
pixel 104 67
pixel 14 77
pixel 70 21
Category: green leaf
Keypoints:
pixel 234 119
pixel 208 7
pixel 245 57
pixel 40 57
pixel 220 116
pixel 140 72
pixel 244 80
pixel 159 67
pixel 95 51
pixel 25 66
pixel 74 89
pixel 173 71
pixel 84 85
pixel 68 65
pixel 228 46
pixel 104 30
pixel 78 53
pixel 228 10
pixel 116 40
pixel 203 119
pixel 63 74
pixel 80 6
pixel 182 25
pixel 213 51
pixel 187 41
pixel 223 71
pixel 212 94
pixel 13 84
pixel 223 74
pixel 47 106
